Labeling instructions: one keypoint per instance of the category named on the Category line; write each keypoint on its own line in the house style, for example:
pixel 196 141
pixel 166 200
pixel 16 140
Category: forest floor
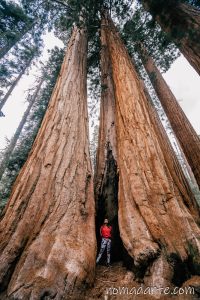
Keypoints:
pixel 112 283
pixel 109 283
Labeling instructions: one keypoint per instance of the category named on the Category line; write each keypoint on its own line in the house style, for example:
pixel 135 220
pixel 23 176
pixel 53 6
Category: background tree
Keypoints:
pixel 14 22
pixel 13 142
pixel 162 52
pixel 11 71
pixel 181 21
pixel 183 129
pixel 27 136
pixel 94 145
pixel 30 18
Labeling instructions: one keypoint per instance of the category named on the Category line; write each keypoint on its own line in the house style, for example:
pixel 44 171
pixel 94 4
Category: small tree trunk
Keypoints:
pixel 14 41
pixel 188 169
pixel 182 22
pixel 14 84
pixel 156 226
pixel 47 232
pixel 13 142
pixel 185 133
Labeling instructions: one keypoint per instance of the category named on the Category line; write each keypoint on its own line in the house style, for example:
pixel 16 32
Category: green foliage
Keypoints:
pixel 60 15
pixel 27 53
pixel 171 15
pixel 13 20
pixel 142 29
pixel 50 73
pixel 195 3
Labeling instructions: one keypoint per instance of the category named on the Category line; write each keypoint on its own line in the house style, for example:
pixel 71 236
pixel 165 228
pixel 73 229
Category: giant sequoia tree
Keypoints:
pixel 47 229
pixel 155 224
pixel 183 129
pixel 181 21
pixel 171 159
pixel 47 235
pixel 106 173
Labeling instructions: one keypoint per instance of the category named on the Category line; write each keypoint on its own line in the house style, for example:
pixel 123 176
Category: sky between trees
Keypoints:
pixel 181 77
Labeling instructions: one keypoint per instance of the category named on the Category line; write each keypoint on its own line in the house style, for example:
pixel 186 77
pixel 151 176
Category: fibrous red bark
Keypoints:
pixel 156 226
pixel 47 232
pixel 185 133
pixel 171 159
pixel 182 22
pixel 106 173
pixel 107 132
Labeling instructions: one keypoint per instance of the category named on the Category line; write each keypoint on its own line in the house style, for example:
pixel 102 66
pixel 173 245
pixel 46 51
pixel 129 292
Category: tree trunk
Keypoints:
pixel 47 232
pixel 106 174
pixel 172 161
pixel 4 50
pixel 107 133
pixel 14 84
pixel 13 142
pixel 182 22
pixel 156 226
pixel 186 165
pixel 185 133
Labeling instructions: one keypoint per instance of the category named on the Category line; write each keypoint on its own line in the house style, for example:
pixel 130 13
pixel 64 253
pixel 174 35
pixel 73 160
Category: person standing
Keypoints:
pixel 106 234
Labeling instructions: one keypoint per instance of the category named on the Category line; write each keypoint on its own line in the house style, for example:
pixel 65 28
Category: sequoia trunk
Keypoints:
pixel 106 174
pixel 171 159
pixel 47 232
pixel 182 22
pixel 185 133
pixel 156 226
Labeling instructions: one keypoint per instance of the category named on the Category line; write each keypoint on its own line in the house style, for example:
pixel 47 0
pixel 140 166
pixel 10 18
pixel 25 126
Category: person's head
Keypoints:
pixel 105 222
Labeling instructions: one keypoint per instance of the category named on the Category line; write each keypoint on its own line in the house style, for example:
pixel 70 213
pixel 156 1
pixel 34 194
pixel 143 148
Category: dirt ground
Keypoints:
pixel 110 281
pixel 117 283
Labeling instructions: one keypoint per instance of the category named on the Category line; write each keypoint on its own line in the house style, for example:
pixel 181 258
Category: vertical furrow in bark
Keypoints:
pixel 185 133
pixel 155 224
pixel 171 159
pixel 106 176
pixel 107 134
pixel 50 250
pixel 181 21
